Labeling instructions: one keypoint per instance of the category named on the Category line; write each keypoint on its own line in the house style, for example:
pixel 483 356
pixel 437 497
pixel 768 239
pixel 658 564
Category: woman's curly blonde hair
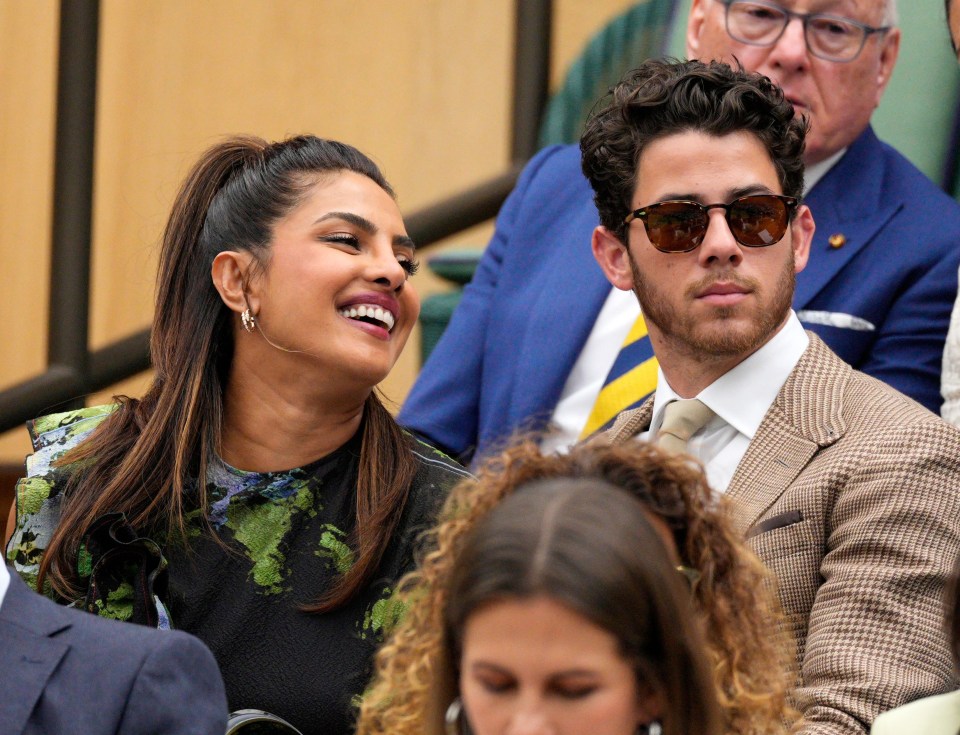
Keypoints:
pixel 415 674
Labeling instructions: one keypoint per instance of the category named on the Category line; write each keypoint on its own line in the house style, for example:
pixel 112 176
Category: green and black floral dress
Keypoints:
pixel 282 542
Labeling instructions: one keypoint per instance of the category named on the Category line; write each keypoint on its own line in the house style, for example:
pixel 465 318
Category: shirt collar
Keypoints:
pixel 813 174
pixel 4 581
pixel 742 396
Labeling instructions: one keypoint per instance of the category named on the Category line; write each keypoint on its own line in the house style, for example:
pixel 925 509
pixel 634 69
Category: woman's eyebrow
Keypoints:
pixel 354 219
pixel 402 241
pixel 399 241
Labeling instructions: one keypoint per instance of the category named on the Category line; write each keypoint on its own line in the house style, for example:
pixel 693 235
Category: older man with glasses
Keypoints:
pixel 833 65
pixel 540 337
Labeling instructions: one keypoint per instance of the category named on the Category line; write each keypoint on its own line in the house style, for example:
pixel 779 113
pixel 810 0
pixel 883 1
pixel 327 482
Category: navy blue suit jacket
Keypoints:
pixel 503 361
pixel 68 672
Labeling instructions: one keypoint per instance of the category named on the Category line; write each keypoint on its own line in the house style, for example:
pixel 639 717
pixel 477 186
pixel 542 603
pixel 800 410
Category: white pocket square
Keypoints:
pixel 836 319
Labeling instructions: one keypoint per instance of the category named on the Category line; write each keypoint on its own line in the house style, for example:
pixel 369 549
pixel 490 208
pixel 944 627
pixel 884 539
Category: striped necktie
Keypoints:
pixel 630 381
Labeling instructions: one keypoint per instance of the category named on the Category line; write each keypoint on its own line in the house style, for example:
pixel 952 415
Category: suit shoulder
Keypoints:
pixel 824 395
pixel 94 637
pixel 114 636
pixel 553 158
pixel 904 179
pixel 554 172
pixel 875 407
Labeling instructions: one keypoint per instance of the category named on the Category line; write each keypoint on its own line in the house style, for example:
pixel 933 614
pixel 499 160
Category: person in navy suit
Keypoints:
pixel 67 672
pixel 539 326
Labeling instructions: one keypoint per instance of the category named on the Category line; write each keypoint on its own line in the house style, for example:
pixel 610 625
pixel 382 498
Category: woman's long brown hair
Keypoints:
pixel 146 456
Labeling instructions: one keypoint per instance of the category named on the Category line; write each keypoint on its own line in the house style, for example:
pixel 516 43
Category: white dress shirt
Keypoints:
pixel 589 372
pixel 4 581
pixel 740 399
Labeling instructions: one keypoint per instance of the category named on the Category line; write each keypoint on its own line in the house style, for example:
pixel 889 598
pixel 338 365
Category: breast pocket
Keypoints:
pixel 789 545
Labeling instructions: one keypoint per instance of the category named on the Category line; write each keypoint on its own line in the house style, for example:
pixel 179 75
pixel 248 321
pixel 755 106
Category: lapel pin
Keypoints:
pixel 838 240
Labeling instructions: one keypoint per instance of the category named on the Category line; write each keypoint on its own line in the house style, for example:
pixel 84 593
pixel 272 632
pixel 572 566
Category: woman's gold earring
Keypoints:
pixel 248 321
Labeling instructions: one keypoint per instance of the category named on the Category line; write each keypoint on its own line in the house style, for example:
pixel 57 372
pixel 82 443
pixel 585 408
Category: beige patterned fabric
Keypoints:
pixel 850 493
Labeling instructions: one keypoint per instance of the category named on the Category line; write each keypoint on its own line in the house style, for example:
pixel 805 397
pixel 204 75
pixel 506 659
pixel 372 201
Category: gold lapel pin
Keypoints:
pixel 838 240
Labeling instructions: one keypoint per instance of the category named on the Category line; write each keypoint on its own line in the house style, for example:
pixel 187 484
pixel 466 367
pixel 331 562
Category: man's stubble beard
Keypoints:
pixel 685 333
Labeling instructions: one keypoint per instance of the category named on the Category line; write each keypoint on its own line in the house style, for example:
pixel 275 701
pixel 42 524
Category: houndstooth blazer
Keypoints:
pixel 850 493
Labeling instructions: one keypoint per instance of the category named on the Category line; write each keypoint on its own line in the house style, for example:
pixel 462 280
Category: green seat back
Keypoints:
pixel 640 32
pixel 918 109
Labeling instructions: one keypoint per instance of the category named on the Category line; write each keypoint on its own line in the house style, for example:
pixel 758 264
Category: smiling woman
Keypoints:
pixel 259 495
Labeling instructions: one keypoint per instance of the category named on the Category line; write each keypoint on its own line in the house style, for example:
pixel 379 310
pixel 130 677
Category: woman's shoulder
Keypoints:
pixel 56 434
pixel 937 715
pixel 37 492
pixel 52 437
pixel 433 466
pixel 436 474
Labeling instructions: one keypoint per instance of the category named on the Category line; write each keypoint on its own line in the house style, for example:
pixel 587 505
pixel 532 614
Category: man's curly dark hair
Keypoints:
pixel 663 97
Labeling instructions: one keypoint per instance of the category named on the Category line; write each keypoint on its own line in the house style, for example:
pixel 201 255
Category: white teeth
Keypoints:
pixel 369 311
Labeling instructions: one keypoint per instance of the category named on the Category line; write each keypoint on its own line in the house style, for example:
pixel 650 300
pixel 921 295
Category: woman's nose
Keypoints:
pixel 385 269
pixel 530 720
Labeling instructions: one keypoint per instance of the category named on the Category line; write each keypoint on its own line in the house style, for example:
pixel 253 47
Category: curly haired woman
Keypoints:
pixel 418 672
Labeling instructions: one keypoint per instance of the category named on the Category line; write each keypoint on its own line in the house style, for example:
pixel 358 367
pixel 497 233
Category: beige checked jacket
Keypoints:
pixel 850 493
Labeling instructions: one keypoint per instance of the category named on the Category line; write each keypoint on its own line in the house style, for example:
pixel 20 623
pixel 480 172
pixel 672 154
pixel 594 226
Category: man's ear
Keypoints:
pixel 695 22
pixel 801 232
pixel 612 256
pixel 889 51
pixel 231 271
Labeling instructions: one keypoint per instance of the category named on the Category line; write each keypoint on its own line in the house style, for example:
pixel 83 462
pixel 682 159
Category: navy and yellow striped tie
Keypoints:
pixel 630 381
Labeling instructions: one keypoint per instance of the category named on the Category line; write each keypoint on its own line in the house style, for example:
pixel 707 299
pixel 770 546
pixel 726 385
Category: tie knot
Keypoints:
pixel 681 420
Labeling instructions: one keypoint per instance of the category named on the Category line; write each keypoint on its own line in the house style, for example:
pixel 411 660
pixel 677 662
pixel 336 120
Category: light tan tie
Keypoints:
pixel 681 420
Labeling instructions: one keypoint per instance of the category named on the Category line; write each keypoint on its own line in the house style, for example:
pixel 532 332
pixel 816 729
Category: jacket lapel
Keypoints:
pixel 853 214
pixel 27 651
pixel 793 431
pixel 628 424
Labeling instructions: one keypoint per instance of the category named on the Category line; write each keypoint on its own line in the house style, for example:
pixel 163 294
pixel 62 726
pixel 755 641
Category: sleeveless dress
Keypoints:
pixel 281 541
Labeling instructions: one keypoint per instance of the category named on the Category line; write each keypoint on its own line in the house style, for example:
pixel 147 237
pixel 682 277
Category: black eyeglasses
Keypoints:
pixel 679 226
pixel 829 37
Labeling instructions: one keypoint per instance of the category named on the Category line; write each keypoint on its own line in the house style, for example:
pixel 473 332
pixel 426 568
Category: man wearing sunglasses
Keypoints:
pixel 539 333
pixel 847 489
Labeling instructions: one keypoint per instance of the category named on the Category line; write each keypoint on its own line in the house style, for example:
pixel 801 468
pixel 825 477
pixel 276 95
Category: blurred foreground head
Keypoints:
pixel 609 540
